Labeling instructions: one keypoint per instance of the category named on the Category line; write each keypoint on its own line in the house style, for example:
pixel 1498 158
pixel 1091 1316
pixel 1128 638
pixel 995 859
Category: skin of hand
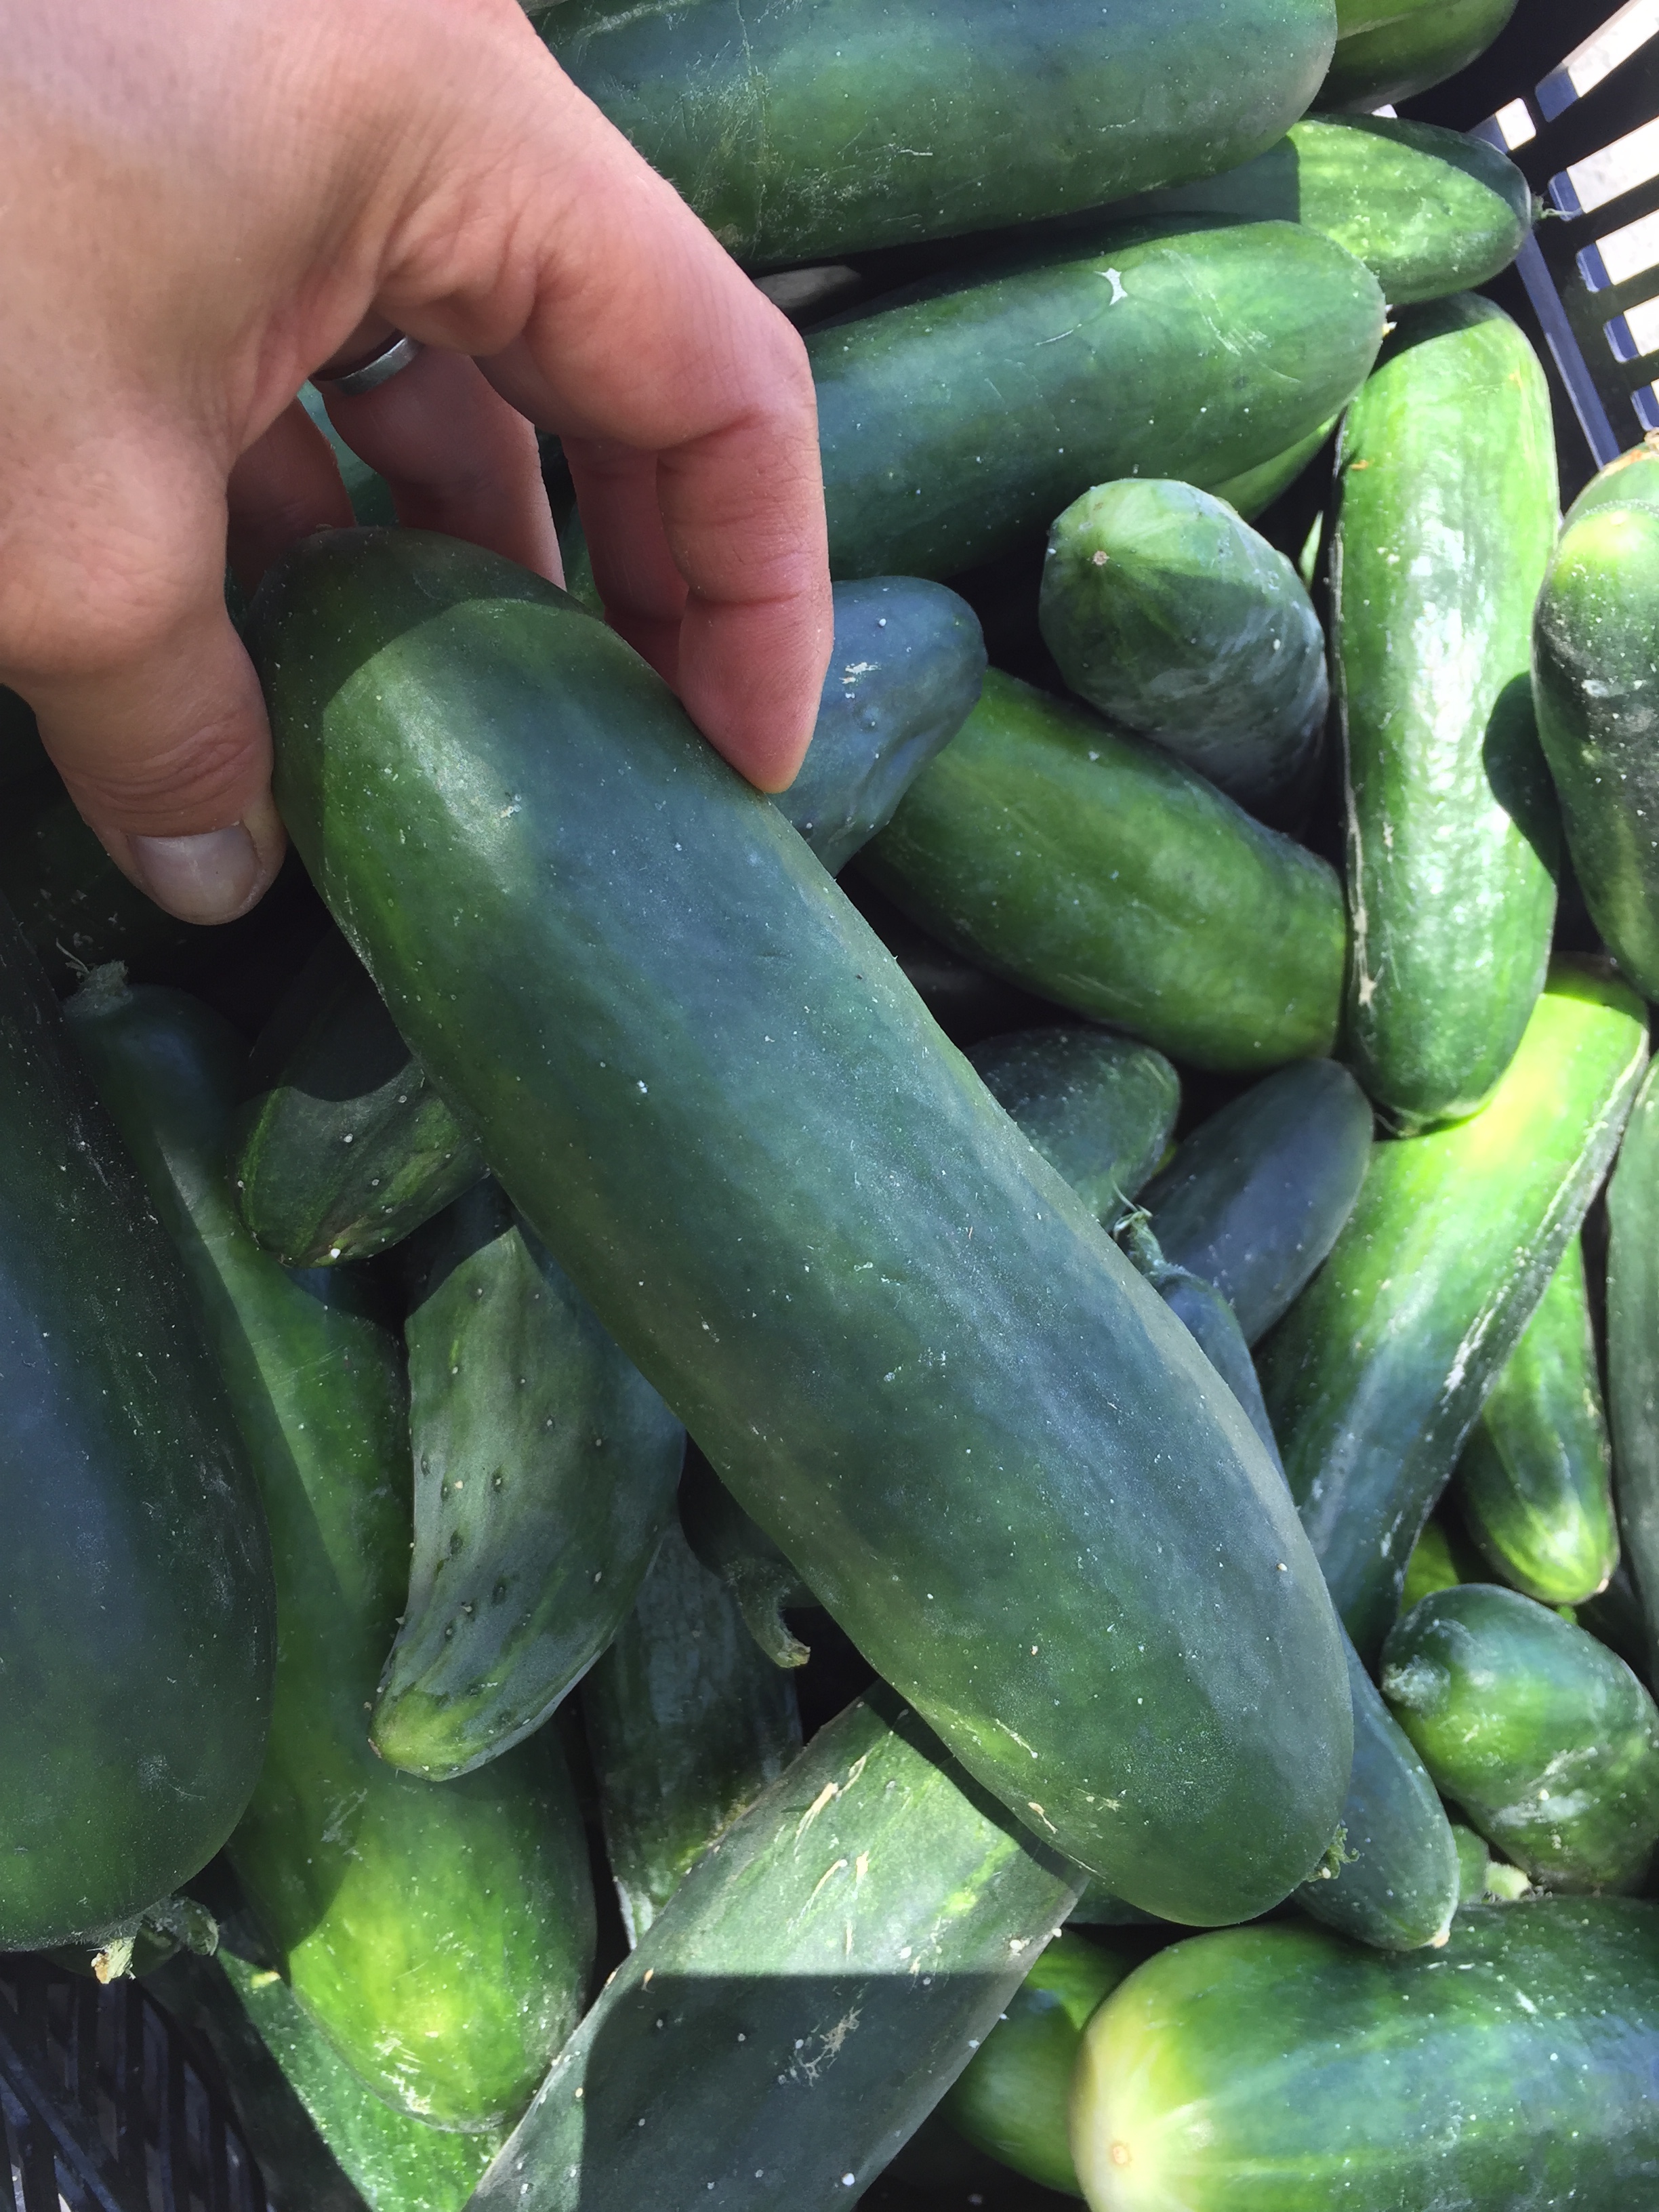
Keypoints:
pixel 206 201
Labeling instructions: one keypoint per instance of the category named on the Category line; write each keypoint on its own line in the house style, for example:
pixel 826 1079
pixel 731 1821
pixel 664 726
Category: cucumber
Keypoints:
pixel 72 902
pixel 545 1468
pixel 1374 1378
pixel 687 1722
pixel 344 1147
pixel 1593 644
pixel 1633 1352
pixel 954 426
pixel 1615 1617
pixel 1427 210
pixel 1098 1108
pixel 1172 616
pixel 1089 866
pixel 759 1580
pixel 1445 515
pixel 440 1938
pixel 820 1977
pixel 1280 2070
pixel 138 1628
pixel 1254 490
pixel 1009 2100
pixel 1257 1195
pixel 1534 1485
pixel 706 1084
pixel 1386 52
pixel 1545 1739
pixel 1440 1559
pixel 905 669
pixel 1472 1861
pixel 807 129
pixel 1630 479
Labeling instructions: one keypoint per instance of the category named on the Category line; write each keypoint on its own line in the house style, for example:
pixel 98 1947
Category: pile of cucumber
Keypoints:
pixel 938 1492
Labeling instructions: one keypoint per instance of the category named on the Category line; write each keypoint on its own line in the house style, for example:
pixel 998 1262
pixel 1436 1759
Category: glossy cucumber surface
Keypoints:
pixel 441 1938
pixel 138 1627
pixel 610 954
pixel 1098 1108
pixel 1255 1197
pixel 1445 516
pixel 905 668
pixel 545 1467
pixel 688 1721
pixel 1633 1351
pixel 1534 1485
pixel 1428 211
pixel 1375 1377
pixel 820 1977
pixel 1386 52
pixel 802 130
pixel 1169 613
pixel 1090 867
pixel 956 425
pixel 1594 638
pixel 342 1147
pixel 1544 1736
pixel 1280 2070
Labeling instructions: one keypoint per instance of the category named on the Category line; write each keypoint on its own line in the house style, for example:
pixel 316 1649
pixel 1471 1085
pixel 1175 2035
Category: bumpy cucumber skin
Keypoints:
pixel 546 1467
pixel 821 1976
pixel 805 129
pixel 1280 2070
pixel 957 425
pixel 1255 1197
pixel 1393 51
pixel 345 1148
pixel 1594 640
pixel 1374 1377
pixel 1544 1736
pixel 688 1721
pixel 1169 613
pixel 137 1619
pixel 1090 867
pixel 1444 520
pixel 609 953
pixel 1098 1108
pixel 1011 2099
pixel 1633 1351
pixel 1427 210
pixel 1534 1485
pixel 441 1938
pixel 905 669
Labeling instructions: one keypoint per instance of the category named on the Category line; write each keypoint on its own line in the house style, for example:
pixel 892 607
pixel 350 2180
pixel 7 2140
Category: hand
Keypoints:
pixel 206 201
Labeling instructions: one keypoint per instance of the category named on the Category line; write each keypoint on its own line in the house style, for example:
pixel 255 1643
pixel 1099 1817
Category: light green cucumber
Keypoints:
pixel 1098 1108
pixel 1634 1353
pixel 1254 490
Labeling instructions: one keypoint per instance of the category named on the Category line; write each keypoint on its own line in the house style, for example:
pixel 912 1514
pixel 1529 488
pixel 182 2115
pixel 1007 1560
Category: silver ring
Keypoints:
pixel 397 353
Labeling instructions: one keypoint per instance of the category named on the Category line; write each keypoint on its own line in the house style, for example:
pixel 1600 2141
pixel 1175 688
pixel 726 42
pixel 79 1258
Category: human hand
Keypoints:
pixel 210 199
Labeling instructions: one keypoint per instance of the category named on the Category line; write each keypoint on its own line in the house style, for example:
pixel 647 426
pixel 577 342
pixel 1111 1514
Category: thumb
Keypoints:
pixel 120 641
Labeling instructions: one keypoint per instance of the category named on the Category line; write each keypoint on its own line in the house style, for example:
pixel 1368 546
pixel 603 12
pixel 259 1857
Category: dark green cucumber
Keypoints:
pixel 545 1467
pixel 137 1629
pixel 1256 1196
pixel 701 1079
pixel 441 1938
pixel 1280 2070
pixel 72 902
pixel 758 1578
pixel 1252 491
pixel 344 1147
pixel 1387 50
pixel 1630 480
pixel 1010 2097
pixel 1615 1616
pixel 805 129
pixel 1592 659
pixel 688 1723
pixel 1089 866
pixel 954 426
pixel 1544 1737
pixel 820 1977
pixel 1168 612
pixel 905 669
pixel 1375 1377
pixel 1633 1352
pixel 1534 1485
pixel 1427 210
pixel 1098 1108
pixel 1445 515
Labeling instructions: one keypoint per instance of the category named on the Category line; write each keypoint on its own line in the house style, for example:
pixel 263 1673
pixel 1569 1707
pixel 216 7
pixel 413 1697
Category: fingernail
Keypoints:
pixel 208 878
